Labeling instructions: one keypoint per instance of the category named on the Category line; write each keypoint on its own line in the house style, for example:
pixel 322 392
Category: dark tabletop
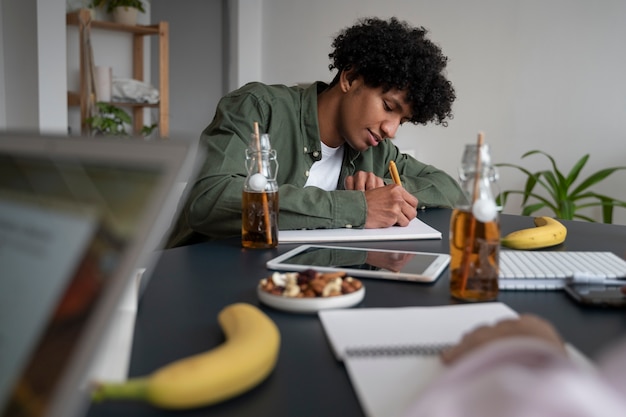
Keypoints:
pixel 188 286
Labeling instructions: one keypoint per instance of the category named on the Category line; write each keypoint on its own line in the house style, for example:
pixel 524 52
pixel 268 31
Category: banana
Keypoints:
pixel 547 232
pixel 244 360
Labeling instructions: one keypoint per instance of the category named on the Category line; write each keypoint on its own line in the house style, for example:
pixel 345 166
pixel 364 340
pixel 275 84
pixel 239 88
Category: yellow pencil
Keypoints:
pixel 393 170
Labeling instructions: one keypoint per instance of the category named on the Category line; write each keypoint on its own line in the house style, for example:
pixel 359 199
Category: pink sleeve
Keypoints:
pixel 613 365
pixel 520 377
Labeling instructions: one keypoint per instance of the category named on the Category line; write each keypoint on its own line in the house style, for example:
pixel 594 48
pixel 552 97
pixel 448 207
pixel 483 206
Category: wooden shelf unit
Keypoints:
pixel 82 19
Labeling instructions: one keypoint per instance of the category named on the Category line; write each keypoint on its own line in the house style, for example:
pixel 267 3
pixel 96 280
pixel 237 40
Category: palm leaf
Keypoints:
pixel 595 178
pixel 530 182
pixel 552 185
pixel 524 170
pixel 603 198
pixel 607 212
pixel 529 187
pixel 502 198
pixel 564 203
pixel 566 209
pixel 544 201
pixel 575 171
pixel 559 175
pixel 528 210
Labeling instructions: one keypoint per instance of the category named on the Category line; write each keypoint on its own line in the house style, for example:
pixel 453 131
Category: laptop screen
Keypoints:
pixel 67 223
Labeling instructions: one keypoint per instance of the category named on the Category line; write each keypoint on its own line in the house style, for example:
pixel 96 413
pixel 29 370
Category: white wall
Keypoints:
pixel 3 114
pixel 20 64
pixel 246 50
pixel 537 74
pixel 32 77
pixel 51 70
pixel 196 61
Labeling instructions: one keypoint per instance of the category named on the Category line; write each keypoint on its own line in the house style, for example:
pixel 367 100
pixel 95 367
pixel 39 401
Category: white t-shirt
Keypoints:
pixel 324 173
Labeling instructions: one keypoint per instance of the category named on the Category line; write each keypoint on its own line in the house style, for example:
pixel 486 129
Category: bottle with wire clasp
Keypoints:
pixel 475 228
pixel 259 222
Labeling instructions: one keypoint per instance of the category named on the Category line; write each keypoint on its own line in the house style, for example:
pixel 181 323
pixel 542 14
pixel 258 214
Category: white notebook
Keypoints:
pixel 391 354
pixel 416 229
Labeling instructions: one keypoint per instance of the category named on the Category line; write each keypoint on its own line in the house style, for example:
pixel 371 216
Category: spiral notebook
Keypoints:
pixel 390 354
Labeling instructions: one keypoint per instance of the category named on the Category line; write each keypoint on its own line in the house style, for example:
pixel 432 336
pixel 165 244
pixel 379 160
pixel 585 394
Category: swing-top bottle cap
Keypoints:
pixel 262 144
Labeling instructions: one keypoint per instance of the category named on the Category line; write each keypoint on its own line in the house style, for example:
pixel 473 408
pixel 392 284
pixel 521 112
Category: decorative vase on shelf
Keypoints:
pixel 125 15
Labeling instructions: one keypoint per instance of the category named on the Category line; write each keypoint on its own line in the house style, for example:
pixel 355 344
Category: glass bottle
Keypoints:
pixel 259 225
pixel 475 229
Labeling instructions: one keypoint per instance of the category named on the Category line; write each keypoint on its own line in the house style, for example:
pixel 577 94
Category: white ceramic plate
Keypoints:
pixel 310 305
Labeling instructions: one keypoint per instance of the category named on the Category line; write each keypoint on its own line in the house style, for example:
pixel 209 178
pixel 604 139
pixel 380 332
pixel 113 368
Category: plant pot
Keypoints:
pixel 125 15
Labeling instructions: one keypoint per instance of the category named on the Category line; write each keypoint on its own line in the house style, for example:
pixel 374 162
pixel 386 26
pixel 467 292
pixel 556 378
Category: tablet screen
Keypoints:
pixel 363 259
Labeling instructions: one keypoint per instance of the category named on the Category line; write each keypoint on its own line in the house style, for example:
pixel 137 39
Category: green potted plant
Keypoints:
pixel 123 11
pixel 564 197
pixel 111 120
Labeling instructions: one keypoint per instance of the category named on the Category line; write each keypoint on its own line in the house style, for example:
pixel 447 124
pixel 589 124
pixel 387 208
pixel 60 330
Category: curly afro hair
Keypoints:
pixel 393 55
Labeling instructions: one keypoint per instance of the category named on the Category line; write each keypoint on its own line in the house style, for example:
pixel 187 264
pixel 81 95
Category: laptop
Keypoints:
pixel 78 216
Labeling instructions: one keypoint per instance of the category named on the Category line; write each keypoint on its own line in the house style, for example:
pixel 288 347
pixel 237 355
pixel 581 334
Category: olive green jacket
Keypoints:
pixel 289 115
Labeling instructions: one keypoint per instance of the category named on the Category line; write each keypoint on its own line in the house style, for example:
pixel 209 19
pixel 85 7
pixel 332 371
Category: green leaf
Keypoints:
pixel 528 188
pixel 559 175
pixel 567 209
pixel 529 210
pixel 546 203
pixel 575 171
pixel 564 203
pixel 551 185
pixel 524 170
pixel 502 197
pixel 603 199
pixel 607 213
pixel 111 4
pixel 596 178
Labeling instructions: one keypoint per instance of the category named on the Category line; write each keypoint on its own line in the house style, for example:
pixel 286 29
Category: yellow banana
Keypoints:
pixel 243 361
pixel 547 232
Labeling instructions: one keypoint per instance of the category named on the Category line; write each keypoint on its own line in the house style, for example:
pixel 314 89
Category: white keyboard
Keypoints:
pixel 548 270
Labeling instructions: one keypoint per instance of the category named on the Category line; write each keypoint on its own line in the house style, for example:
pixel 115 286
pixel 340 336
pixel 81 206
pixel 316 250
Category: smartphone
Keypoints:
pixel 601 295
pixel 364 262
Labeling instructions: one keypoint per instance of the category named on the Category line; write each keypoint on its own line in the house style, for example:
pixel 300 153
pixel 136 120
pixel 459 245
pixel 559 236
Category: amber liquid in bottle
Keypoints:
pixel 256 233
pixel 474 262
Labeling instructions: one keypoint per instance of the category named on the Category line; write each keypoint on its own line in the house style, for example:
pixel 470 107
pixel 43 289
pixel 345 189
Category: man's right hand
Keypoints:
pixel 389 205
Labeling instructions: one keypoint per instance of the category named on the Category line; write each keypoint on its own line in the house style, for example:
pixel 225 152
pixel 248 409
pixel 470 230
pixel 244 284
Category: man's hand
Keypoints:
pixel 525 325
pixel 363 181
pixel 388 206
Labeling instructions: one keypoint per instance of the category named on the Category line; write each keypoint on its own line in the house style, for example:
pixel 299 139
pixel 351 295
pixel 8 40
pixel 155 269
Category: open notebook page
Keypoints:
pixel 385 378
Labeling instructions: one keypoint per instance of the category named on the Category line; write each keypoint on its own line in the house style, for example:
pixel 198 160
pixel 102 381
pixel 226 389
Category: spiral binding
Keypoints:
pixel 399 350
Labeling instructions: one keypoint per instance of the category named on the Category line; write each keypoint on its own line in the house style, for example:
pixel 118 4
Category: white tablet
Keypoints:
pixel 364 262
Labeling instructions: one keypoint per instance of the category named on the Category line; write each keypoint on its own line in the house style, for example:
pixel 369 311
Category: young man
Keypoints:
pixel 332 141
